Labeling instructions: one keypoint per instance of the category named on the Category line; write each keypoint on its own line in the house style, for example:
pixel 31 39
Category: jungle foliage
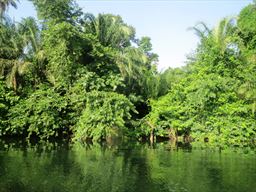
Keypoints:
pixel 74 74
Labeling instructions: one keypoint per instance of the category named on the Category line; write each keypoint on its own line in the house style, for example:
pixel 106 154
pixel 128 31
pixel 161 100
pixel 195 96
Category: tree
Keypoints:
pixel 57 10
pixel 4 4
pixel 63 45
pixel 109 29
pixel 12 66
pixel 7 100
pixel 31 34
pixel 104 116
pixel 221 34
pixel 247 44
pixel 246 26
pixel 40 114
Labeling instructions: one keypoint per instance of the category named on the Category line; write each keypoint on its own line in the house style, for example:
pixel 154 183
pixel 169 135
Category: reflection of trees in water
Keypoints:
pixel 97 168
pixel 101 168
pixel 147 164
pixel 136 166
pixel 210 170
pixel 36 168
pixel 126 167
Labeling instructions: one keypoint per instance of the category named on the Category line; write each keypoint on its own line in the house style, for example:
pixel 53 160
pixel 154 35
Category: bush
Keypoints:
pixel 104 116
pixel 40 114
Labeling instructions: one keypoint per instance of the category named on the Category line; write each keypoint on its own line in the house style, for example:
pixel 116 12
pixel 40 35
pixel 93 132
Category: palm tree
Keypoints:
pixel 133 64
pixel 13 71
pixel 31 34
pixel 4 4
pixel 109 29
pixel 10 40
pixel 201 30
pixel 221 34
pixel 20 45
pixel 10 51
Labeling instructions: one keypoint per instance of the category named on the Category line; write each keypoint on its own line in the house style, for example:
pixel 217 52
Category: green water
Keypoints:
pixel 133 167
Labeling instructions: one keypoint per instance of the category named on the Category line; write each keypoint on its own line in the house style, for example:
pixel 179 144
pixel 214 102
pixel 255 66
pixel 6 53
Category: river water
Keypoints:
pixel 130 167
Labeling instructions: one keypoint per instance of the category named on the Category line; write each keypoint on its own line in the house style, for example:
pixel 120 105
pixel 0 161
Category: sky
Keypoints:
pixel 166 22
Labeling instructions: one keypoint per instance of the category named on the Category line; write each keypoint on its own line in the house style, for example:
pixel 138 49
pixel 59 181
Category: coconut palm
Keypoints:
pixel 20 45
pixel 201 30
pixel 10 51
pixel 134 64
pixel 4 4
pixel 29 29
pixel 13 71
pixel 31 34
pixel 11 43
pixel 221 34
pixel 109 29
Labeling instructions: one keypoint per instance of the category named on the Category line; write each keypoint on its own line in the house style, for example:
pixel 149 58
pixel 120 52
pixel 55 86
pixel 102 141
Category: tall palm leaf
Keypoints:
pixel 10 41
pixel 109 29
pixel 201 30
pixel 4 4
pixel 13 70
pixel 30 32
pixel 221 34
pixel 133 64
pixel 31 35
pixel 12 56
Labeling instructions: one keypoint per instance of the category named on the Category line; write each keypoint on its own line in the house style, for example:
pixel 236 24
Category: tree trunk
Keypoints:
pixel 14 83
pixel 152 136
pixel 173 135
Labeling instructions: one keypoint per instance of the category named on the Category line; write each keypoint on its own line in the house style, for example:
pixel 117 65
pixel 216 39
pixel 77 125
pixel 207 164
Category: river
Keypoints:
pixel 129 167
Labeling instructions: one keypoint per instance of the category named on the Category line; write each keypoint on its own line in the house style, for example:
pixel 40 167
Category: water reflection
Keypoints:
pixel 127 167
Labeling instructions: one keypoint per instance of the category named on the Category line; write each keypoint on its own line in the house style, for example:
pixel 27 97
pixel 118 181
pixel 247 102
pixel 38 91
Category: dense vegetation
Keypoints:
pixel 73 74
